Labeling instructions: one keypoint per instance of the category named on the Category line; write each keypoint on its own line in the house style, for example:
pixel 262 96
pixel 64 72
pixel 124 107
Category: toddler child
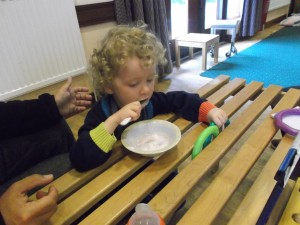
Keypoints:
pixel 124 72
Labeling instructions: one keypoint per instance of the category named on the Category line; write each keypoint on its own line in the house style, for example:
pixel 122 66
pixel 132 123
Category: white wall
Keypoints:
pixel 275 4
pixel 93 35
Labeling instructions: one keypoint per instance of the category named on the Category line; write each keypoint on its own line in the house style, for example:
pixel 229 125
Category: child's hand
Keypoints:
pixel 218 116
pixel 131 110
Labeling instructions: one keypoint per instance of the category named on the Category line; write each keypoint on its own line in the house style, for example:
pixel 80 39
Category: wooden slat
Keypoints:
pixel 124 200
pixel 213 85
pixel 223 93
pixel 170 117
pixel 177 190
pixel 256 198
pixel 78 203
pixel 72 180
pixel 212 201
pixel 242 97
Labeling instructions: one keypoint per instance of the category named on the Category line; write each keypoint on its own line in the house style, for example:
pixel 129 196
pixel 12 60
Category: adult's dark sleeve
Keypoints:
pixel 23 117
pixel 1 220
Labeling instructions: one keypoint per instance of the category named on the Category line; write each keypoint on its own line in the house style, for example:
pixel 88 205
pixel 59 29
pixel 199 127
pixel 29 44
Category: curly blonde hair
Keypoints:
pixel 122 43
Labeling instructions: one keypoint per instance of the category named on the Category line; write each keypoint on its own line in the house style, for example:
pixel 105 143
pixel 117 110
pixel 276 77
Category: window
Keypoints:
pixel 234 9
pixel 211 14
pixel 179 17
pixel 214 10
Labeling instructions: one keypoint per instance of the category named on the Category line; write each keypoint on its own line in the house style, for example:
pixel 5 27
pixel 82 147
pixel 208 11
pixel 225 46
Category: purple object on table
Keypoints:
pixel 284 127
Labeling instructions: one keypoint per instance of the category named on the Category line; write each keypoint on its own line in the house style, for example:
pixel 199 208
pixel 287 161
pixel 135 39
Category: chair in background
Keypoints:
pixel 232 25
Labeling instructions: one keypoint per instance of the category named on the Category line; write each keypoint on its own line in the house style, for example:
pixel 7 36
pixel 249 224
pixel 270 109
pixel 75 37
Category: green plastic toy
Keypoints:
pixel 206 137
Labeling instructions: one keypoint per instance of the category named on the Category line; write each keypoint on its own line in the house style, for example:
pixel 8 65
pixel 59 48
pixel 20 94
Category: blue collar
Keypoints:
pixel 109 107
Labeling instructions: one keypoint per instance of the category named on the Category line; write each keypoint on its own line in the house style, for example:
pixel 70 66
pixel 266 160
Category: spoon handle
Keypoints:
pixel 125 121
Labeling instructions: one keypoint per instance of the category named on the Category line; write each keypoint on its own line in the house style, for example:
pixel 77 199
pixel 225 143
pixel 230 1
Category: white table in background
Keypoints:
pixel 197 40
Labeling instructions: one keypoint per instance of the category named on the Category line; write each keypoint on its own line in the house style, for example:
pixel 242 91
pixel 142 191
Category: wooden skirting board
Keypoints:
pixel 277 13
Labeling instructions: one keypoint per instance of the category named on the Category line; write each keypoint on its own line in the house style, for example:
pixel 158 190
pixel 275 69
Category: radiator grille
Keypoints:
pixel 40 44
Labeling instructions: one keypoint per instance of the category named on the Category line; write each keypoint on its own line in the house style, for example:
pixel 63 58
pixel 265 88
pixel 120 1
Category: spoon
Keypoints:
pixel 128 119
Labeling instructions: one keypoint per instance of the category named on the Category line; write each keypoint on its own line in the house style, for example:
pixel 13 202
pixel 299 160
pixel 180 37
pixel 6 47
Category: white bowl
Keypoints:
pixel 151 137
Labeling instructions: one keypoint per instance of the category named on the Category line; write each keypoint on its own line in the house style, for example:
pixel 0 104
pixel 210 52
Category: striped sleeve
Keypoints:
pixel 102 138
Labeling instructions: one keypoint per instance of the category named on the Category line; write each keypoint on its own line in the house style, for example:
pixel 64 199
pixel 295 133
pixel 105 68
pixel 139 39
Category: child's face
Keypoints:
pixel 134 82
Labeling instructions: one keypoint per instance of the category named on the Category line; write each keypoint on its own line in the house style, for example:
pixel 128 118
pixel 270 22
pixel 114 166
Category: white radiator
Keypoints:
pixel 40 44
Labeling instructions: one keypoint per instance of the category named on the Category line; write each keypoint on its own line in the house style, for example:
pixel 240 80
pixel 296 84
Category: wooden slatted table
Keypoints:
pixel 95 197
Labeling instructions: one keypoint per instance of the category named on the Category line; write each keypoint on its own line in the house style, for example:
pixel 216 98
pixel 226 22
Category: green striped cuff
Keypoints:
pixel 102 138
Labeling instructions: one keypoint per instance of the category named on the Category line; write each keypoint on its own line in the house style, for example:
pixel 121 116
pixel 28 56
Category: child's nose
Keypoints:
pixel 145 89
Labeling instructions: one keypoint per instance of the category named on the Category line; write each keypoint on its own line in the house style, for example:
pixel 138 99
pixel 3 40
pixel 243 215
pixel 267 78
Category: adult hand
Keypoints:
pixel 72 100
pixel 218 116
pixel 16 208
